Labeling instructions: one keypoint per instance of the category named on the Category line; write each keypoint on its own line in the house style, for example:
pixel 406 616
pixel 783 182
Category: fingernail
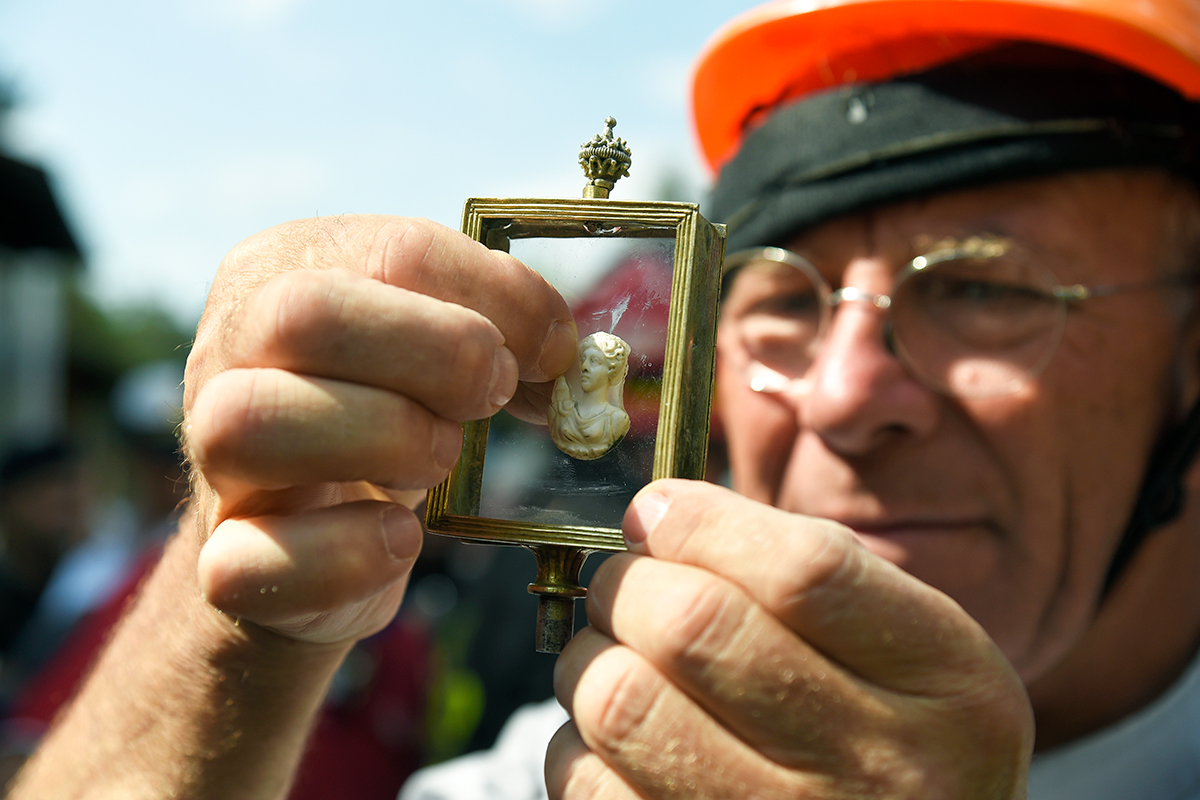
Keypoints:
pixel 398 532
pixel 503 384
pixel 561 337
pixel 647 510
pixel 447 444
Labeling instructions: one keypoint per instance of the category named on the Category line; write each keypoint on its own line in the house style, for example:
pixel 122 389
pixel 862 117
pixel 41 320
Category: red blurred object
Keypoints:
pixel 368 737
pixel 637 292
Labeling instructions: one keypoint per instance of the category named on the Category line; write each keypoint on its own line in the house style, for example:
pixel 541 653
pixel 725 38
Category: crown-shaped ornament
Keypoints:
pixel 605 160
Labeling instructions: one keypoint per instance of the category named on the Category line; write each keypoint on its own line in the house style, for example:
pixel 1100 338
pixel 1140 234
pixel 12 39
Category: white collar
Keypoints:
pixel 1152 755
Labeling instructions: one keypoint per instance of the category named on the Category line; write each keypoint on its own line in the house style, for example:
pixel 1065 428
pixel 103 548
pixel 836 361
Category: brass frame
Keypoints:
pixel 681 443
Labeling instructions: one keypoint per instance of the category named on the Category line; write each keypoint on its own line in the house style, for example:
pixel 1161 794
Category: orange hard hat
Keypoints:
pixel 790 48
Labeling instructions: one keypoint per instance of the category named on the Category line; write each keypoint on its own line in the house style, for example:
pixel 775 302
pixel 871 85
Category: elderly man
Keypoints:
pixel 955 374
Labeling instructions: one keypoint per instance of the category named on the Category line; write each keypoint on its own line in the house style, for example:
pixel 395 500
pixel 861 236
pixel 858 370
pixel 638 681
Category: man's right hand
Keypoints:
pixel 331 368
pixel 324 390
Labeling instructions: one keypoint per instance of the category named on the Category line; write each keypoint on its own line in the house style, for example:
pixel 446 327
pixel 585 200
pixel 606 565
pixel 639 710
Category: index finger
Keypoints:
pixel 856 608
pixel 414 254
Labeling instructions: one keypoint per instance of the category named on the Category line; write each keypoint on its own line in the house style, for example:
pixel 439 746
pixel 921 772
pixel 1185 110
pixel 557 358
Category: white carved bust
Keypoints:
pixel 590 421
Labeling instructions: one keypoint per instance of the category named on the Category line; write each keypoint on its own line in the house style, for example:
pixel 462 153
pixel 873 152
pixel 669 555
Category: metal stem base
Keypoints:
pixel 557 588
pixel 555 624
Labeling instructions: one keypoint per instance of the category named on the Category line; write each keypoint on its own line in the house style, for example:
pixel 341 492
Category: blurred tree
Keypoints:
pixel 102 345
pixel 673 187
pixel 105 343
pixel 8 100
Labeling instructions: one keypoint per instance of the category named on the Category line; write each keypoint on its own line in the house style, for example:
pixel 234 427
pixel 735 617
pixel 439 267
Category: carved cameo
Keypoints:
pixel 589 420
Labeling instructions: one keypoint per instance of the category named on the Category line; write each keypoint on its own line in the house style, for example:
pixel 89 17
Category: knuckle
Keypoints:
pixel 954 757
pixel 700 620
pixel 586 776
pixel 227 412
pixel 271 567
pixel 288 313
pixel 411 448
pixel 233 560
pixel 395 437
pixel 407 245
pixel 996 711
pixel 615 699
pixel 469 363
pixel 819 560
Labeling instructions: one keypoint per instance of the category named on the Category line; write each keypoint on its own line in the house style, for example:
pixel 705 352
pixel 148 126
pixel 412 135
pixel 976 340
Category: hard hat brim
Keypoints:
pixel 789 49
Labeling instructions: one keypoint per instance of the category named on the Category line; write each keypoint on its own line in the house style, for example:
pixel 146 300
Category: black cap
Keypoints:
pixel 1016 112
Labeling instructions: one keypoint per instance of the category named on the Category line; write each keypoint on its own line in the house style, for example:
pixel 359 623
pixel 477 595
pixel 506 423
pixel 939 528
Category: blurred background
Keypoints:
pixel 140 141
pixel 174 130
pixel 149 138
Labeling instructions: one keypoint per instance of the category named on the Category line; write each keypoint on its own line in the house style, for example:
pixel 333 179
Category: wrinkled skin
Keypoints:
pixel 330 370
pixel 740 649
pixel 313 394
pixel 704 674
pixel 329 373
pixel 771 654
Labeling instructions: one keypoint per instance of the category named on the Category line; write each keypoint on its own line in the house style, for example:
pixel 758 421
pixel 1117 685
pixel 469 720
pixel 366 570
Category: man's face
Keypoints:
pixel 1014 504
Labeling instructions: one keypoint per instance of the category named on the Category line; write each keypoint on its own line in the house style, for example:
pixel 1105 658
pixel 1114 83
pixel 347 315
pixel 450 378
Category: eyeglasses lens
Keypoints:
pixel 968 326
pixel 778 312
pixel 976 326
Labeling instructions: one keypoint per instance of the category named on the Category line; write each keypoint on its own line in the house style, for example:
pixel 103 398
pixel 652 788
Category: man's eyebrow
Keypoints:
pixel 988 241
pixel 985 243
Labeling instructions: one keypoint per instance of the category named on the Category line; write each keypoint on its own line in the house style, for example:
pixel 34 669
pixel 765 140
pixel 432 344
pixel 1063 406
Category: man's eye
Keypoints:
pixel 791 304
pixel 980 292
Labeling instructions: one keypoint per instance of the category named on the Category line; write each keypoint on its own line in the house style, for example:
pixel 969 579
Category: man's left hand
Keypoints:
pixel 764 654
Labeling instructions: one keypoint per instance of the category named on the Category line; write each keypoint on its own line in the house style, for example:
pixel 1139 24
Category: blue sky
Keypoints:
pixel 175 129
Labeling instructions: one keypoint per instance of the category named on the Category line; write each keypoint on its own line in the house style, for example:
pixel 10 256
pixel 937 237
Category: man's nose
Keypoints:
pixel 859 394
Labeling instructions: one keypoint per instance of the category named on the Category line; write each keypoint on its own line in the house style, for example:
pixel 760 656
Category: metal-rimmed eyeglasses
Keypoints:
pixel 971 319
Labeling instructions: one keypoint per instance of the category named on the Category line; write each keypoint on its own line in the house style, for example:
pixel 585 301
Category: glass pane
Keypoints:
pixel 615 286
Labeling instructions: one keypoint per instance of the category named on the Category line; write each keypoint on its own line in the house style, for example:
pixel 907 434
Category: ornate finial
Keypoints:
pixel 605 159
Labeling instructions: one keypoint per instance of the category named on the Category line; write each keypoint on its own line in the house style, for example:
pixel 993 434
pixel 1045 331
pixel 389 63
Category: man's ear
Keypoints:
pixel 1189 383
pixel 1181 237
pixel 1189 360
